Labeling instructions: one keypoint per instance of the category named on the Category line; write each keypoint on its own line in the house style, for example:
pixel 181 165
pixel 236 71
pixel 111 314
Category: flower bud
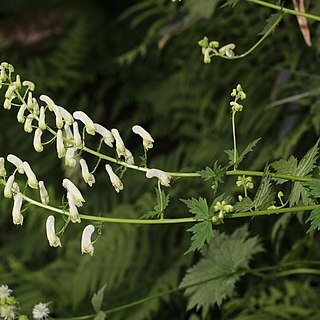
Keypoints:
pixel 16 211
pixel 61 151
pixel 37 140
pixel 20 114
pixel 44 196
pixel 120 148
pixel 2 168
pixel 7 192
pixel 42 119
pixel 32 179
pixel 73 211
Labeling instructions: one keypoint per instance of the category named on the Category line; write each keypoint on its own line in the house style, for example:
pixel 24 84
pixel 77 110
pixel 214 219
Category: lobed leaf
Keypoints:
pixel 214 277
pixel 198 207
pixel 314 220
pixel 202 232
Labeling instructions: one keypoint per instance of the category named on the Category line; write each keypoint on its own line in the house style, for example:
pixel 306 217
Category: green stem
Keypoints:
pixel 234 140
pixel 256 44
pixel 285 10
pixel 161 203
pixel 173 220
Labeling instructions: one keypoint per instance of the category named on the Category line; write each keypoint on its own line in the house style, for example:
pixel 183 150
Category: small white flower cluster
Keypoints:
pixel 9 307
pixel 237 93
pixel 210 49
pixel 223 208
pixel 12 190
pixel 245 182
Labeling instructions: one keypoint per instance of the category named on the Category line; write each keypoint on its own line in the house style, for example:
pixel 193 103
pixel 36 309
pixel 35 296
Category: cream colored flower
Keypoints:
pixel 120 147
pixel 7 192
pixel 17 162
pixel 61 151
pixel 54 108
pixel 88 123
pixel 163 177
pixel 78 198
pixel 129 159
pixel 70 157
pixel 2 168
pixel 73 211
pixel 32 179
pixel 20 114
pixel 87 176
pixel 76 136
pixel 37 140
pixel 31 86
pixel 66 115
pixel 16 211
pixel 53 239
pixel 145 135
pixel 86 243
pixel 42 119
pixel 44 196
pixel 105 133
pixel 115 181
pixel 28 123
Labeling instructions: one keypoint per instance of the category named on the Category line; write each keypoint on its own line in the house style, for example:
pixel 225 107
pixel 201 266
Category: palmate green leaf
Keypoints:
pixel 303 169
pixel 314 220
pixel 198 207
pixel 202 233
pixel 216 173
pixel 215 272
pixel 270 22
pixel 314 187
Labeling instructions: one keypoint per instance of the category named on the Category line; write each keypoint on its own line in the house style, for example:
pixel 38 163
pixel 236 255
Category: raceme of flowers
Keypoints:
pixel 69 142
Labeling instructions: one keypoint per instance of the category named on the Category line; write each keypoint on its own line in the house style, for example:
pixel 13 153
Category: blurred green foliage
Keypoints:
pixel 138 62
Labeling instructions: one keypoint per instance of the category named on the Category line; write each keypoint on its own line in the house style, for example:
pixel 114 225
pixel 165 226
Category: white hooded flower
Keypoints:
pixel 163 177
pixel 37 140
pixel 15 188
pixel 78 198
pixel 31 86
pixel 73 211
pixel 44 196
pixel 20 114
pixel 66 115
pixel 129 159
pixel 120 148
pixel 61 151
pixel 53 107
pixel 16 211
pixel 7 192
pixel 86 243
pixel 2 168
pixel 70 159
pixel 7 103
pixel 76 135
pixel 87 176
pixel 145 135
pixel 28 123
pixel 17 162
pixel 32 179
pixel 115 181
pixel 42 119
pixel 88 123
pixel 53 239
pixel 105 133
pixel 40 311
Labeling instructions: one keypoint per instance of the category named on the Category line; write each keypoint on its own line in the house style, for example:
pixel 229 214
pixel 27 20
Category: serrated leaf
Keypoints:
pixel 270 22
pixel 247 150
pixel 299 192
pixel 285 167
pixel 150 214
pixel 314 187
pixel 230 156
pixel 215 271
pixel 97 299
pixel 215 173
pixel 314 220
pixel 307 163
pixel 244 205
pixel 202 232
pixel 100 316
pixel 264 197
pixel 198 207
